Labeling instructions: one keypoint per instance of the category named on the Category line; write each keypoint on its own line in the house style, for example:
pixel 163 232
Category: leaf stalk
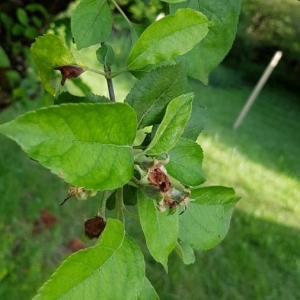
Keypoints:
pixel 120 205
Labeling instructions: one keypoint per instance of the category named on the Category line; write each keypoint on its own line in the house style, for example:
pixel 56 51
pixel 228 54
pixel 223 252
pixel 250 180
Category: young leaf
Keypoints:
pixel 92 273
pixel 106 55
pixel 47 53
pixel 22 16
pixel 151 95
pixel 185 162
pixel 148 292
pixel 160 229
pixel 136 30
pixel 167 38
pixel 172 125
pixel 197 120
pixel 4 60
pixel 185 252
pixel 129 195
pixel 206 221
pixel 88 144
pixel 223 16
pixel 91 23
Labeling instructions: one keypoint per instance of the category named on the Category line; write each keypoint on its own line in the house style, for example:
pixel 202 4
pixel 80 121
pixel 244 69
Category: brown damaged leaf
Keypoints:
pixel 68 72
pixel 170 198
pixel 158 177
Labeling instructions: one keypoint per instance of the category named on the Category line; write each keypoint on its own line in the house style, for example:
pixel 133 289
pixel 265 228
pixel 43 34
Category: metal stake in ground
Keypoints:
pixel 257 89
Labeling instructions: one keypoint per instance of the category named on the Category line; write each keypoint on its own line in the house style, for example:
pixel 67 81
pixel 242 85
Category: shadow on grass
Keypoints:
pixel 257 260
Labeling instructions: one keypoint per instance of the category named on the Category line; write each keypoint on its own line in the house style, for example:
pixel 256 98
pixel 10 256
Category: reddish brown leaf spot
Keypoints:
pixel 48 219
pixel 45 221
pixel 76 245
pixel 159 178
pixel 94 227
pixel 69 72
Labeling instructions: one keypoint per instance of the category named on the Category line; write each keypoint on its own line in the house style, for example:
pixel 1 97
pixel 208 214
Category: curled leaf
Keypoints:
pixel 69 72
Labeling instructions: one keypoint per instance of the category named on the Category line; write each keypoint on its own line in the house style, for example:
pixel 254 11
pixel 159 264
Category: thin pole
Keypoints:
pixel 273 63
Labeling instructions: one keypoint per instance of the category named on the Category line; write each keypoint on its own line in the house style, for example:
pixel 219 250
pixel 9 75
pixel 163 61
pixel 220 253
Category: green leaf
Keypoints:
pixel 49 52
pixel 206 220
pixel 214 195
pixel 89 145
pixel 172 125
pixel 148 291
pixel 6 20
pixel 85 88
pixel 30 32
pixel 151 95
pixel 136 30
pixel 167 38
pixel 197 120
pixel 66 97
pixel 22 16
pixel 112 269
pixel 106 55
pixel 185 252
pixel 186 162
pixel 173 1
pixel 223 16
pixel 4 60
pixel 160 229
pixel 111 201
pixel 17 29
pixel 129 195
pixel 91 23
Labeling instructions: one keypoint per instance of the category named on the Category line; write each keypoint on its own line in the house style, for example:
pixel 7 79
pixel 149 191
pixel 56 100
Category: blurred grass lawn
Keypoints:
pixel 259 259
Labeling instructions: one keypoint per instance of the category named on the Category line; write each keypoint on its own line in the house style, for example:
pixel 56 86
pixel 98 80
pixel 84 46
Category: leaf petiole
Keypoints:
pixel 122 13
pixel 120 205
pixel 131 215
pixel 94 71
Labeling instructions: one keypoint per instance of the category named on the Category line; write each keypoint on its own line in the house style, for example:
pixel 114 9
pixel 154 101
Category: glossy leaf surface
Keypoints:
pixel 160 229
pixel 206 220
pixel 89 145
pixel 106 55
pixel 186 162
pixel 49 52
pixel 213 195
pixel 223 16
pixel 172 125
pixel 92 273
pixel 66 97
pixel 91 23
pixel 197 120
pixel 168 38
pixel 185 252
pixel 148 291
pixel 151 95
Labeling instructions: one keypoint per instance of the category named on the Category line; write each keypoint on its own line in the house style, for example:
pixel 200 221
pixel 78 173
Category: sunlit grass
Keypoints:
pixel 261 158
pixel 265 193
